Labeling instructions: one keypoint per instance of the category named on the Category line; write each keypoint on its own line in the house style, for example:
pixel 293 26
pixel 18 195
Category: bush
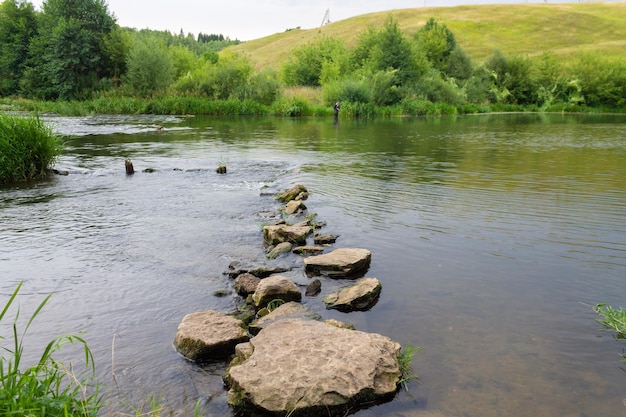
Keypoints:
pixel 27 148
pixel 48 388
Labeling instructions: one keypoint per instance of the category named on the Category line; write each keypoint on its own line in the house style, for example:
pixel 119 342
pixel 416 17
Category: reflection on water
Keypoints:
pixel 492 236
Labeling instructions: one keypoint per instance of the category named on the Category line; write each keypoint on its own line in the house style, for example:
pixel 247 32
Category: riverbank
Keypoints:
pixel 286 107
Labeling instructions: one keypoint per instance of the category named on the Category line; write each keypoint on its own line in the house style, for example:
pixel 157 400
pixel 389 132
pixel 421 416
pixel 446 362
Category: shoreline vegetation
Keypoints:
pixel 28 148
pixel 411 62
pixel 287 107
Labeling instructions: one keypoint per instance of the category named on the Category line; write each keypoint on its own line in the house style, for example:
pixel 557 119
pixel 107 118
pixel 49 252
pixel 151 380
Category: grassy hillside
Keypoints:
pixel 523 29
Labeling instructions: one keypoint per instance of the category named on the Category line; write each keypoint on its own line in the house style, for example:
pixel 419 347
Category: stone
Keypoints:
pixel 343 262
pixel 266 271
pixel 308 250
pixel 246 284
pixel 209 335
pixel 340 324
pixel 275 234
pixel 324 239
pixel 358 297
pixel 294 206
pixel 275 287
pixel 279 249
pixel 292 193
pixel 313 288
pixel 290 310
pixel 308 368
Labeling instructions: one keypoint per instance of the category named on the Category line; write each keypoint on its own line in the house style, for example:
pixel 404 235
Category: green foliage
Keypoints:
pixel 405 360
pixel 27 148
pixel 458 65
pixel 348 90
pixel 262 87
pixel 293 107
pixel 48 388
pixel 612 319
pixel 116 46
pixel 183 60
pixel 150 67
pixel 602 80
pixel 67 57
pixel 437 42
pixel 17 26
pixel 388 49
pixel 307 65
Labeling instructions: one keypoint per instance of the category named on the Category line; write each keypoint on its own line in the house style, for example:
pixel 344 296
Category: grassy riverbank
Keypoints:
pixel 293 105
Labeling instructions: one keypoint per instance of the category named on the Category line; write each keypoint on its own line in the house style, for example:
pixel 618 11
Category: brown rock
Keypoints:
pixel 209 335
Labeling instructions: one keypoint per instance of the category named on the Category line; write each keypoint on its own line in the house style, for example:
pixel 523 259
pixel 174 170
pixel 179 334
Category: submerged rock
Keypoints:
pixel 307 368
pixel 342 262
pixel 209 335
pixel 360 296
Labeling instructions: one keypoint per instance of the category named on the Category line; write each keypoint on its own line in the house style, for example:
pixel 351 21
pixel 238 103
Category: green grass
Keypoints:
pixel 405 360
pixel 612 319
pixel 48 388
pixel 28 148
pixel 565 30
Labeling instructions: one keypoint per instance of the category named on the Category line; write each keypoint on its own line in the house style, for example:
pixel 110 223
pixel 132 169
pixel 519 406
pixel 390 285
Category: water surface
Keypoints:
pixel 492 235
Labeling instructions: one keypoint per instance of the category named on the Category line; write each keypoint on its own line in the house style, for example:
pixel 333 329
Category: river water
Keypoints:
pixel 493 236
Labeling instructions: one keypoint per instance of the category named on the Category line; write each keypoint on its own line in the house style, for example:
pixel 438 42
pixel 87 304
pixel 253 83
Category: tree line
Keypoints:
pixel 74 49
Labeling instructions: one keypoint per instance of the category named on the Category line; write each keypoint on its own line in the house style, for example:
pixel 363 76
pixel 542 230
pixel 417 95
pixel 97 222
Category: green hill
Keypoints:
pixel 522 29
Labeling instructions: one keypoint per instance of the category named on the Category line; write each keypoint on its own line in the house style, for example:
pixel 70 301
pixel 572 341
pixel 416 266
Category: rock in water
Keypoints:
pixel 339 263
pixel 209 335
pixel 307 368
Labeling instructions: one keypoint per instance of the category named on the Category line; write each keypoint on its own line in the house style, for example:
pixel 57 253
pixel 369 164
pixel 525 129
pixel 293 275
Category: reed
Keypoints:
pixel 49 388
pixel 28 148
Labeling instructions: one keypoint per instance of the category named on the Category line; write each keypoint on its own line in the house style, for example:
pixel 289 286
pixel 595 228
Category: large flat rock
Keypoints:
pixel 343 262
pixel 307 368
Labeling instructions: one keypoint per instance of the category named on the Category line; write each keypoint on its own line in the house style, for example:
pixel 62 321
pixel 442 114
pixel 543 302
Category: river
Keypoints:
pixel 492 235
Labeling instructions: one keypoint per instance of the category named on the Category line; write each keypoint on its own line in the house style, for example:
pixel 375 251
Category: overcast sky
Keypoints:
pixel 252 19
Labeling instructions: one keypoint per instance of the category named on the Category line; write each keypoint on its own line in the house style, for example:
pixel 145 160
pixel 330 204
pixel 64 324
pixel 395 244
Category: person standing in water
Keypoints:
pixel 336 109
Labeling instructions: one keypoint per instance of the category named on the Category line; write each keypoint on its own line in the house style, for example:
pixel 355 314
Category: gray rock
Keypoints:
pixel 275 287
pixel 342 262
pixel 324 239
pixel 360 296
pixel 308 368
pixel 281 248
pixel 290 310
pixel 274 234
pixel 246 284
pixel 209 335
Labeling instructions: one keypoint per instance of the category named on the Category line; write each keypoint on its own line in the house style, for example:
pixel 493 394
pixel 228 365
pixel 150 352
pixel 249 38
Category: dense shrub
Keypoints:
pixel 27 148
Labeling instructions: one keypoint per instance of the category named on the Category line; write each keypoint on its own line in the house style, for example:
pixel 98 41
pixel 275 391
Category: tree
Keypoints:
pixel 307 64
pixel 18 25
pixel 437 42
pixel 68 58
pixel 386 50
pixel 150 67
